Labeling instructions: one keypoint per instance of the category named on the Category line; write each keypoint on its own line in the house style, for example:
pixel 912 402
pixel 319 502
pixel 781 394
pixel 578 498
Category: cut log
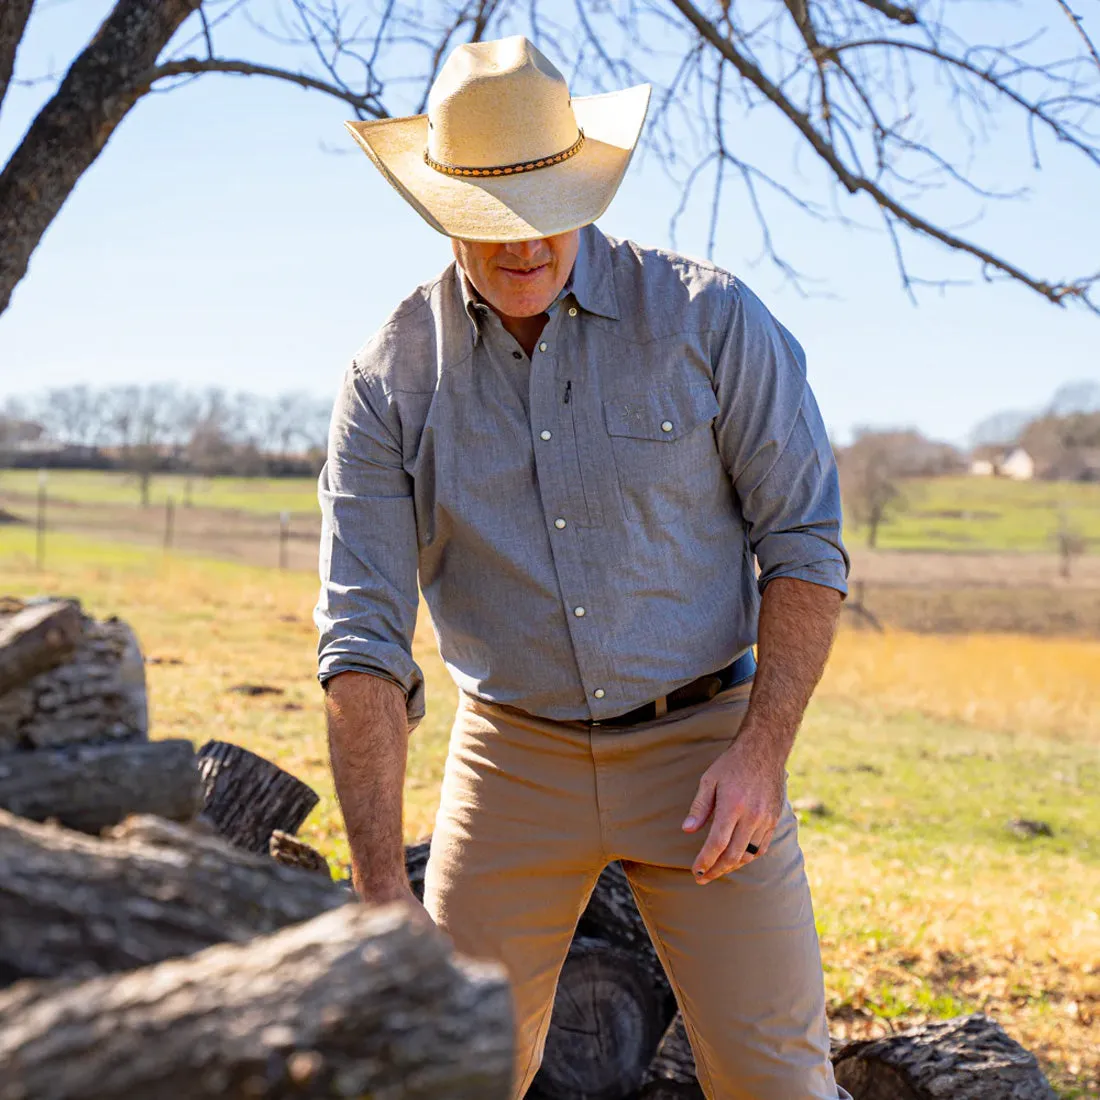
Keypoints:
pixel 968 1058
pixel 35 638
pixel 674 1062
pixel 358 1002
pixel 247 798
pixel 612 914
pixel 77 906
pixel 671 1090
pixel 91 787
pixel 97 694
pixel 604 1029
pixel 416 863
pixel 292 852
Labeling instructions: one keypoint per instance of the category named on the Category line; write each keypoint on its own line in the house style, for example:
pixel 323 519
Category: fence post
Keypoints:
pixel 40 523
pixel 169 522
pixel 284 538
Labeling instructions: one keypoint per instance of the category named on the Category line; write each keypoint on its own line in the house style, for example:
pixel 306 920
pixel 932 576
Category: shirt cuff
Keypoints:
pixel 386 661
pixel 805 558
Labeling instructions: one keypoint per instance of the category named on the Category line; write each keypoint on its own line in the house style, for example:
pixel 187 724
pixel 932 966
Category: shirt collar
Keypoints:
pixel 590 282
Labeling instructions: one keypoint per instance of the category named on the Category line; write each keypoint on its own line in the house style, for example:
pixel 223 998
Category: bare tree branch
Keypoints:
pixel 99 89
pixel 893 11
pixel 1075 19
pixel 13 21
pixel 855 183
pixel 189 66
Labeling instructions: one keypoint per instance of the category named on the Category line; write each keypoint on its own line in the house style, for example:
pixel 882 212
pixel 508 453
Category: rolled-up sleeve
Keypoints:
pixel 776 449
pixel 366 613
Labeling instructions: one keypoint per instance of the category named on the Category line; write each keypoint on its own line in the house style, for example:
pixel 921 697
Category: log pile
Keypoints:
pixel 149 944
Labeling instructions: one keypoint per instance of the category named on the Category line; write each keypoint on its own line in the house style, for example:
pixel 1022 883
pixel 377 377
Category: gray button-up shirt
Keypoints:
pixel 583 524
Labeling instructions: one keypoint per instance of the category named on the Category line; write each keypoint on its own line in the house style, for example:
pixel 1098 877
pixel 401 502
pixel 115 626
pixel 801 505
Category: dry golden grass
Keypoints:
pixel 1018 685
pixel 922 747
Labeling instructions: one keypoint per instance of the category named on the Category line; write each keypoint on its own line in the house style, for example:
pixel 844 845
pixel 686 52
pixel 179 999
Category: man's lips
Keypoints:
pixel 524 274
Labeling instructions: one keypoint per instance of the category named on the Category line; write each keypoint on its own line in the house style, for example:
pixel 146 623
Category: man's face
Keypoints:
pixel 519 278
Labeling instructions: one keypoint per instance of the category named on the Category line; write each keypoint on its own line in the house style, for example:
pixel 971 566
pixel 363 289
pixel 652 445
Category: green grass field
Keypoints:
pixel 941 514
pixel 984 513
pixel 922 748
pixel 266 496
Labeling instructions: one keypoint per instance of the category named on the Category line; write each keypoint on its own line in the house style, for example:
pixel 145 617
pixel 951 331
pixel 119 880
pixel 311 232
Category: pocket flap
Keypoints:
pixel 664 414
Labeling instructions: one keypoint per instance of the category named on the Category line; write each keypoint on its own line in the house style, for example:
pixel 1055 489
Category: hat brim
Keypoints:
pixel 539 203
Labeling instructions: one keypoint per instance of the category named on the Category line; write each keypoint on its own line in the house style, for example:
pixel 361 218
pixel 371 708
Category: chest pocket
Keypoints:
pixel 665 453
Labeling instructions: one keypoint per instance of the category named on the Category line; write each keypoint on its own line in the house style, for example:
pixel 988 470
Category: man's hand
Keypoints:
pixel 742 794
pixel 743 790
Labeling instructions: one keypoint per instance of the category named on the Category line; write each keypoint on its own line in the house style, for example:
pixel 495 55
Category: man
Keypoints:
pixel 578 447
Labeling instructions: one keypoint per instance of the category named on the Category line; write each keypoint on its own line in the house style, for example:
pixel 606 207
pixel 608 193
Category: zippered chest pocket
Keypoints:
pixel 666 458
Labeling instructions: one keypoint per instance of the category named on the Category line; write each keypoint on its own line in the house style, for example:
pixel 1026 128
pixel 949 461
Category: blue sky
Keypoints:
pixel 216 242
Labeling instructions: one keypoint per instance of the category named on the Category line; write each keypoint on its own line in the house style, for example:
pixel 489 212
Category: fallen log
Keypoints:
pixel 77 906
pixel 604 1028
pixel 91 787
pixel 968 1058
pixel 357 1002
pixel 416 863
pixel 247 798
pixel 670 1090
pixel 96 694
pixel 35 638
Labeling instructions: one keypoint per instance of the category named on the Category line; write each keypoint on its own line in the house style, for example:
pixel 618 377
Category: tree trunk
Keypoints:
pixel 968 1058
pixel 246 798
pixel 76 906
pixel 13 21
pixel 97 694
pixel 36 638
pixel 357 1002
pixel 604 1029
pixel 71 130
pixel 89 788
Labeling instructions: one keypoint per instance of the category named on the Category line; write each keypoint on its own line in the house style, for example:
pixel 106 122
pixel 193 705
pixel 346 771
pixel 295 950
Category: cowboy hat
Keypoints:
pixel 504 153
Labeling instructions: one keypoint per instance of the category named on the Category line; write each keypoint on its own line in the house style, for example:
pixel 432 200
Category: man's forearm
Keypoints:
pixel 368 748
pixel 797 625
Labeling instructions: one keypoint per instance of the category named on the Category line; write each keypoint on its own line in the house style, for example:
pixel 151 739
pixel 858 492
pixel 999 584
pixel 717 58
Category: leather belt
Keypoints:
pixel 700 690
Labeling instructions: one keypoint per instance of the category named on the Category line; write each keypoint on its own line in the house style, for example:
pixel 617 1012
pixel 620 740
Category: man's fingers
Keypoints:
pixel 701 805
pixel 733 855
pixel 717 842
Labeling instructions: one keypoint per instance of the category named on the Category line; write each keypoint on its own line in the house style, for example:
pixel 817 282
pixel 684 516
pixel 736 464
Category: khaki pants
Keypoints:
pixel 532 811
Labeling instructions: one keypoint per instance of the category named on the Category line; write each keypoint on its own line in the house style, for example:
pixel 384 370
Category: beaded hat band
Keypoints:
pixel 506 169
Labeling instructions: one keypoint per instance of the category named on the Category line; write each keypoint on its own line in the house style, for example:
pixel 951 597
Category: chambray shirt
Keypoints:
pixel 584 523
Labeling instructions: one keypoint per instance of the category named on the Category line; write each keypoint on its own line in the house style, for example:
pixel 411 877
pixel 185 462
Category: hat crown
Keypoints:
pixel 499 103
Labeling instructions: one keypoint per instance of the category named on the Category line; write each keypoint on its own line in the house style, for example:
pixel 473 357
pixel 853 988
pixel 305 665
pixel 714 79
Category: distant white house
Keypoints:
pixel 1015 463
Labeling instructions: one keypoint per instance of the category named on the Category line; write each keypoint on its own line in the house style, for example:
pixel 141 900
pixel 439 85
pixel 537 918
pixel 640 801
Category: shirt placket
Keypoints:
pixel 565 511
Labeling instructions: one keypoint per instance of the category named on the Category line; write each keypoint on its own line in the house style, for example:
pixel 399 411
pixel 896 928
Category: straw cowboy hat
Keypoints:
pixel 504 153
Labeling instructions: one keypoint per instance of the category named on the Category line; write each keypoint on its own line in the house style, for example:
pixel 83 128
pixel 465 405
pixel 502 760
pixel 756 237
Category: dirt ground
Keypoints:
pixel 910 590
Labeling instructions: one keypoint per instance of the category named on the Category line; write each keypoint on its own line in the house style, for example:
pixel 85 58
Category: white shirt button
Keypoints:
pixel 599 693
pixel 666 425
pixel 579 612
pixel 559 523
pixel 542 346
pixel 545 433
pixel 572 311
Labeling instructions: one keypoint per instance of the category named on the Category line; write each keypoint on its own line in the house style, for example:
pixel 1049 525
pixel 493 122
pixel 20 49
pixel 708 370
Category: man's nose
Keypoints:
pixel 530 252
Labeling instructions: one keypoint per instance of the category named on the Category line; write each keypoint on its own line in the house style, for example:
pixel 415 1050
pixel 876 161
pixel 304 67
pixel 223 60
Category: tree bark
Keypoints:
pixel 604 1029
pixel 71 130
pixel 77 906
pixel 247 798
pixel 670 1090
pixel 292 852
pixel 674 1061
pixel 968 1058
pixel 97 694
pixel 90 788
pixel 13 21
pixel 416 863
pixel 35 639
pixel 357 1002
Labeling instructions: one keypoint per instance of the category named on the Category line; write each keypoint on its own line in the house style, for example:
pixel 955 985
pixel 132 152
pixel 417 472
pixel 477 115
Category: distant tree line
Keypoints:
pixel 162 428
